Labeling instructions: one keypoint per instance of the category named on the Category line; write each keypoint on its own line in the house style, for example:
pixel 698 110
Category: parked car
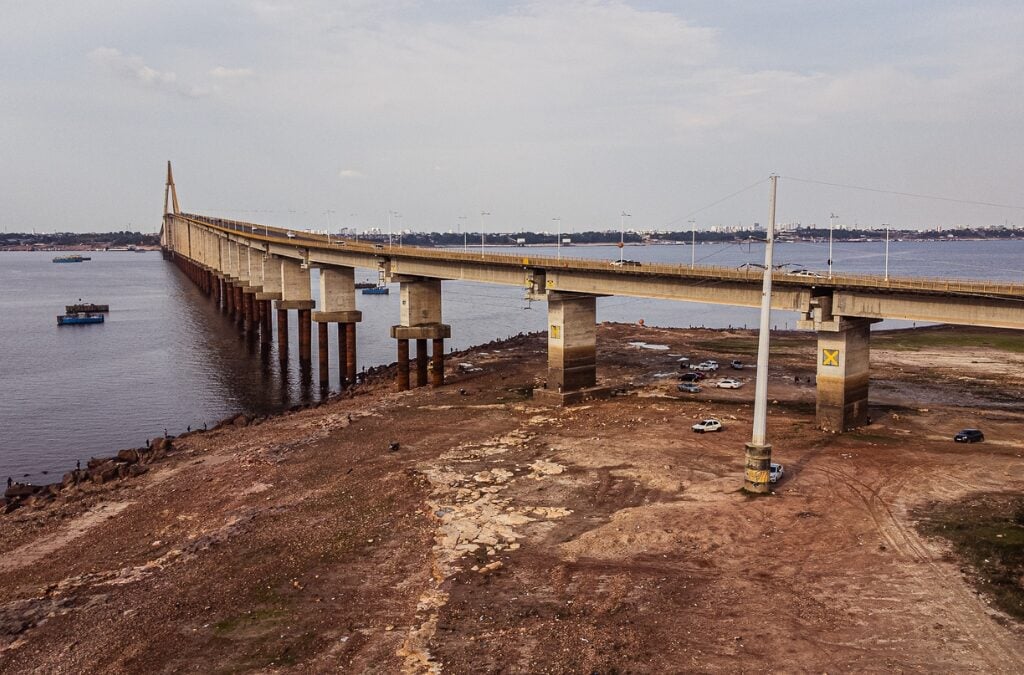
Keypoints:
pixel 775 472
pixel 694 376
pixel 706 366
pixel 707 425
pixel 736 364
pixel 728 383
pixel 688 388
pixel 969 436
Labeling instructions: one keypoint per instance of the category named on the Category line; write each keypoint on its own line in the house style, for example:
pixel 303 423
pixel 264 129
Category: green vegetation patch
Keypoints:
pixel 986 530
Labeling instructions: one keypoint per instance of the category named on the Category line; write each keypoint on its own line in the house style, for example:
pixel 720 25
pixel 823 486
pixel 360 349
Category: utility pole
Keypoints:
pixel 465 235
pixel 831 226
pixel 758 451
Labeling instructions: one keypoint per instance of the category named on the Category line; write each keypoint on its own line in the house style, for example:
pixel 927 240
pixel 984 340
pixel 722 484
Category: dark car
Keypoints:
pixel 695 376
pixel 969 436
pixel 688 388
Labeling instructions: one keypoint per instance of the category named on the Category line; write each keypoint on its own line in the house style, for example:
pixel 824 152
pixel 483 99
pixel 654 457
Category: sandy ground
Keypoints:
pixel 508 536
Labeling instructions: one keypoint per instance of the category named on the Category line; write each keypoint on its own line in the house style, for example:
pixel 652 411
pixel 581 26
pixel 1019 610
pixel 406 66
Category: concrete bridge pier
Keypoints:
pixel 282 333
pixel 338 305
pixel 572 347
pixel 271 291
pixel 420 316
pixel 844 371
pixel 296 294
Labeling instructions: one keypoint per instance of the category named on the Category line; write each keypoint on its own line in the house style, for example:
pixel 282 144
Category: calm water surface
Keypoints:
pixel 167 359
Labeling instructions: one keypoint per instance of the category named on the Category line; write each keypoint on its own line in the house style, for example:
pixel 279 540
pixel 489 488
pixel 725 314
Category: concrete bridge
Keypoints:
pixel 246 267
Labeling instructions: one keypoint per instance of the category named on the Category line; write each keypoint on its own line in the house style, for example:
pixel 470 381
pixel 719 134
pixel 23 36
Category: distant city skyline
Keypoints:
pixel 318 114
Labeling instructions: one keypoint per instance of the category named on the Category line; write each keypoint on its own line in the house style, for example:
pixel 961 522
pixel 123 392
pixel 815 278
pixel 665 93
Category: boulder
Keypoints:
pixel 96 461
pixel 137 470
pixel 129 456
pixel 20 490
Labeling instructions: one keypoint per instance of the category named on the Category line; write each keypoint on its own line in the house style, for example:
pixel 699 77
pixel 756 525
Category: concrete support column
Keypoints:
pixel 229 297
pixel 282 333
pixel 267 326
pixel 305 337
pixel 350 353
pixel 342 355
pixel 338 305
pixel 239 304
pixel 420 314
pixel 297 294
pixel 437 363
pixel 843 374
pixel 572 342
pixel 421 362
pixel 403 365
pixel 323 352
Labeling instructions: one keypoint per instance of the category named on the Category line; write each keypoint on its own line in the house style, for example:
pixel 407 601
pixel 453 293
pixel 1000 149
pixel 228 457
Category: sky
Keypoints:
pixel 333 113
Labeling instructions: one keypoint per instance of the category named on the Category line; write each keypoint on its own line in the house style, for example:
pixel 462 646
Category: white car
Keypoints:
pixel 707 425
pixel 729 383
pixel 705 366
pixel 775 472
pixel 805 273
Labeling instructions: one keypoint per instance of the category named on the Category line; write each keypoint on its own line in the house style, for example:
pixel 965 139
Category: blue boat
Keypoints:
pixel 78 318
pixel 70 258
pixel 376 290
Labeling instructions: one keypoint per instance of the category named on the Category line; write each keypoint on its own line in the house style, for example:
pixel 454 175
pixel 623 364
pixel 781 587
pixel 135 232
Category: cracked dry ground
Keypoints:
pixel 507 536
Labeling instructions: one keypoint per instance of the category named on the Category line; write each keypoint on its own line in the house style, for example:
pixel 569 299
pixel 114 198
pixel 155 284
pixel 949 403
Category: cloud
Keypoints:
pixel 350 173
pixel 230 73
pixel 134 70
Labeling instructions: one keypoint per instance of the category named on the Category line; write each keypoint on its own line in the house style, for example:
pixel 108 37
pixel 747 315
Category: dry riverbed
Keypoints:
pixel 503 535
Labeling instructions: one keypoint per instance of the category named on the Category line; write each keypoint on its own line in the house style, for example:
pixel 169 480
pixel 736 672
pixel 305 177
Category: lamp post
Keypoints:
pixel 390 213
pixel 886 251
pixel 622 232
pixel 693 243
pixel 482 214
pixel 328 213
pixel 465 235
pixel 758 451
pixel 831 226
pixel 558 242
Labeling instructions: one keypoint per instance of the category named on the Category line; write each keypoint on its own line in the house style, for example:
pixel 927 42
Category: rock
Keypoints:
pixel 393 446
pixel 129 456
pixel 137 470
pixel 20 490
pixel 96 461
pixel 241 421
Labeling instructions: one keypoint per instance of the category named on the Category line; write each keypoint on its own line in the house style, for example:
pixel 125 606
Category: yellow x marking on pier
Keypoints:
pixel 830 357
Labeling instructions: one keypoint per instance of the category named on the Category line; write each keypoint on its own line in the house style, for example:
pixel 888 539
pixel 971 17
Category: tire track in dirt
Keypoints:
pixel 994 644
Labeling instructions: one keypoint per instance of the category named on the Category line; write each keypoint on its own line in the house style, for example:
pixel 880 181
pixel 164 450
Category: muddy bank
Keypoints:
pixel 470 529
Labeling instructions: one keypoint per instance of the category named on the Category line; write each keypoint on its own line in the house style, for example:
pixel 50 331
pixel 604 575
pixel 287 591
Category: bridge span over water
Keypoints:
pixel 251 269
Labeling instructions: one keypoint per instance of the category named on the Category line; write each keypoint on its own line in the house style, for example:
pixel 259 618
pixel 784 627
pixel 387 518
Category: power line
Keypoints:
pixel 904 194
pixel 717 202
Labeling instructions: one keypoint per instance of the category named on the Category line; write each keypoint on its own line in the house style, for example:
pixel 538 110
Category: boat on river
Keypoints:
pixel 78 318
pixel 87 307
pixel 376 290
pixel 70 258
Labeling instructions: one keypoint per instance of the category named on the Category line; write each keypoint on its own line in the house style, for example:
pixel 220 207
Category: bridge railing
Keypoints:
pixel 713 272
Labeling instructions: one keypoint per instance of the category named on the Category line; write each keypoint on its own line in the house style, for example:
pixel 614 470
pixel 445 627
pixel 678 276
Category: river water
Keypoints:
pixel 167 359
